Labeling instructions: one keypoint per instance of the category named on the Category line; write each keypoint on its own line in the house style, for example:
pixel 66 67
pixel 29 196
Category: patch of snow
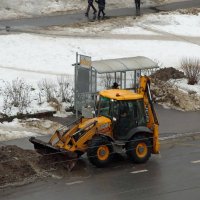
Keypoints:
pixel 14 123
pixel 134 30
pixel 6 135
pixel 182 84
pixel 62 114
pixel 26 128
pixel 13 130
pixel 175 23
pixel 16 50
pixel 154 24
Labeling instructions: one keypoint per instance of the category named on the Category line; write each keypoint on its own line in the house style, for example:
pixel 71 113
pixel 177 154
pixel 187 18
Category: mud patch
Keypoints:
pixel 166 74
pixel 19 166
pixel 16 165
pixel 189 11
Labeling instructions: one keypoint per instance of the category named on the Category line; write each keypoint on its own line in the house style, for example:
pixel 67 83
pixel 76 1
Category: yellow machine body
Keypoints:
pixel 77 136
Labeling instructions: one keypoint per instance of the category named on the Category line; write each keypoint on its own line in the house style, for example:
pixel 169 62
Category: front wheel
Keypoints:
pixel 138 149
pixel 100 151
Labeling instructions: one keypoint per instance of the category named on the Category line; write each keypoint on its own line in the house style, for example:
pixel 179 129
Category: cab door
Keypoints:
pixel 127 119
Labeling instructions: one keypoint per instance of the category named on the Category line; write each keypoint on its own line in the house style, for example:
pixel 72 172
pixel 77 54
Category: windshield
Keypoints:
pixel 104 107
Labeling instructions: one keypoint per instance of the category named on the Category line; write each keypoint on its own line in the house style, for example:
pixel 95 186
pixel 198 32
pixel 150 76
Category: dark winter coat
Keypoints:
pixel 90 2
pixel 101 3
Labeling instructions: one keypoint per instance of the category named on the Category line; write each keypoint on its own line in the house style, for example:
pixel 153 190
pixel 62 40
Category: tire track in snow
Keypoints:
pixel 35 71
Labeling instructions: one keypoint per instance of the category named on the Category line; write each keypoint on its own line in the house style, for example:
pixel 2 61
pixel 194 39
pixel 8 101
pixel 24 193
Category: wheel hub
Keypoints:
pixel 140 149
pixel 103 152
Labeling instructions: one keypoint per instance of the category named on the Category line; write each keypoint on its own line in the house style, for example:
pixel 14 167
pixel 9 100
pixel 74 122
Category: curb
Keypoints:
pixel 180 135
pixel 24 116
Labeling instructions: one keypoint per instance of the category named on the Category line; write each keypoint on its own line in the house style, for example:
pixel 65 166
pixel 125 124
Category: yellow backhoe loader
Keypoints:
pixel 124 121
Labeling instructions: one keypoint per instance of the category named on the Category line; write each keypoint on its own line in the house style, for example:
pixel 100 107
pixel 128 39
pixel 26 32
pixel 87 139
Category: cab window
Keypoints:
pixel 104 107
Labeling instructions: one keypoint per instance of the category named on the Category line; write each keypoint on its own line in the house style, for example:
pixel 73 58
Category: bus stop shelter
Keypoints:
pixel 87 71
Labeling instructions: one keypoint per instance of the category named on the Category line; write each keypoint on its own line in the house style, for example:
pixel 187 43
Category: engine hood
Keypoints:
pixel 102 122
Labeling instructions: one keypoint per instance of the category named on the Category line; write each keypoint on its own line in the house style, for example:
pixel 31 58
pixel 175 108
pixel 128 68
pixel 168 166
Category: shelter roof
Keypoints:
pixel 123 64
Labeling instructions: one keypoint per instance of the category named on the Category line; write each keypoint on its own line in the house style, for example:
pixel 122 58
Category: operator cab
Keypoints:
pixel 125 113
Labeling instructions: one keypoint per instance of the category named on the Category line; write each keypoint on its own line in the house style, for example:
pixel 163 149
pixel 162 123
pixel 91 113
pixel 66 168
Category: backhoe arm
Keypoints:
pixel 144 90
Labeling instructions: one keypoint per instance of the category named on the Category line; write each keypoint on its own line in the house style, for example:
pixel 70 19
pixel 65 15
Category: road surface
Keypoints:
pixel 68 19
pixel 172 175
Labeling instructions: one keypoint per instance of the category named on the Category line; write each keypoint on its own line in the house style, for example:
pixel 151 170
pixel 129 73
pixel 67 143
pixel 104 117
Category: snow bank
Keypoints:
pixel 26 128
pixel 174 23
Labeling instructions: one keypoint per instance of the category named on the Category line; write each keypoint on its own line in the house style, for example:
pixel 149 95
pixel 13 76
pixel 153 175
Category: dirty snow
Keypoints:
pixel 163 24
pixel 182 85
pixel 26 128
pixel 14 130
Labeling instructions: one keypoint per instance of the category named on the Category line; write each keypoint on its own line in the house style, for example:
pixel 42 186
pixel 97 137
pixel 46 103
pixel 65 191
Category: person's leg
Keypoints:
pixel 139 4
pixel 99 13
pixel 94 9
pixel 103 13
pixel 136 4
pixel 88 10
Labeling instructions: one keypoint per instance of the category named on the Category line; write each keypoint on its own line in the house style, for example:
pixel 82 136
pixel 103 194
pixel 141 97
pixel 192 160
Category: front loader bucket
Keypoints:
pixel 45 149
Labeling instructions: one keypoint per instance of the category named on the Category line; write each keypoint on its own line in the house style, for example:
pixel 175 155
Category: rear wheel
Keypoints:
pixel 100 151
pixel 139 149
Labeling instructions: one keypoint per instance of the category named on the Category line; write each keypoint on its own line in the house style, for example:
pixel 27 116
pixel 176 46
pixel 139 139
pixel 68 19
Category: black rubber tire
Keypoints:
pixel 93 147
pixel 79 153
pixel 132 152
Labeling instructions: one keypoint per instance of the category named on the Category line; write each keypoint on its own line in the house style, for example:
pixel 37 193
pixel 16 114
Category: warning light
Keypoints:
pixel 117 95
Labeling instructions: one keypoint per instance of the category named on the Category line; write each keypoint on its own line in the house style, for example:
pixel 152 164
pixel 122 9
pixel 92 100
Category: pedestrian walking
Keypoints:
pixel 101 6
pixel 137 5
pixel 90 4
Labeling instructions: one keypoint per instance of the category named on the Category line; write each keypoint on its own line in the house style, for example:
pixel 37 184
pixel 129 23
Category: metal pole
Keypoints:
pixel 90 80
pixel 124 80
pixel 121 80
pixel 95 81
pixel 135 80
pixel 75 86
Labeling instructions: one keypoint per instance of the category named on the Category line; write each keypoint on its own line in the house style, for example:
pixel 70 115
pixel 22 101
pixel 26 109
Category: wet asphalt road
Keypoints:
pixel 68 19
pixel 177 122
pixel 172 175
